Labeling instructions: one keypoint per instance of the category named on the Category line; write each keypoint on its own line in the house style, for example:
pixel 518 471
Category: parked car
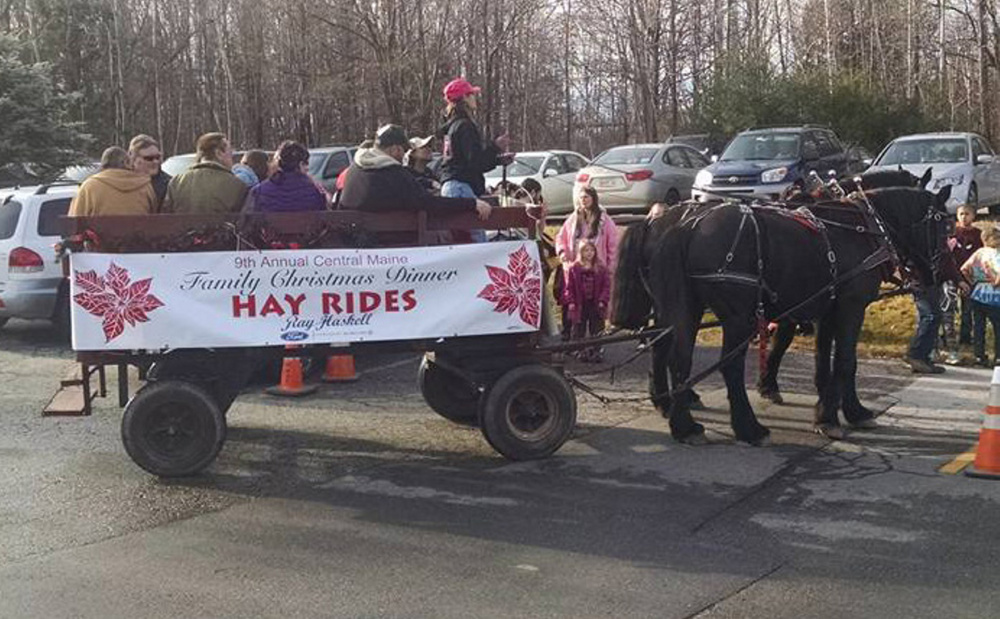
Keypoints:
pixel 327 162
pixel 178 164
pixel 963 160
pixel 633 178
pixel 32 285
pixel 555 170
pixel 765 162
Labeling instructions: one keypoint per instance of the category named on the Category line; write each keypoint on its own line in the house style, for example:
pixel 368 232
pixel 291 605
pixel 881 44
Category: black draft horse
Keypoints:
pixel 749 264
pixel 767 385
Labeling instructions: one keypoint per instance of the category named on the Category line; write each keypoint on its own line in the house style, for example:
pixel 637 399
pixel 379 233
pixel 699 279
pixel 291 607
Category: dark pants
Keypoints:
pixel 928 302
pixel 991 313
pixel 970 321
pixel 591 322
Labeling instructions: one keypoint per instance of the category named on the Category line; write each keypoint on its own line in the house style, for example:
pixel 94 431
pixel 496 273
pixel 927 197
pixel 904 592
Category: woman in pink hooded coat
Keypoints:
pixel 588 221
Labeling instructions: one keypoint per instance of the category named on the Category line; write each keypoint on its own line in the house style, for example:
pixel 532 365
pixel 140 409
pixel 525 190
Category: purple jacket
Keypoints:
pixel 285 192
pixel 573 294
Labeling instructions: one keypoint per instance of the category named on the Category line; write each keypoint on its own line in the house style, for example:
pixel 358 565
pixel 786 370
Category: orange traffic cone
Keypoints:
pixel 291 379
pixel 340 369
pixel 987 463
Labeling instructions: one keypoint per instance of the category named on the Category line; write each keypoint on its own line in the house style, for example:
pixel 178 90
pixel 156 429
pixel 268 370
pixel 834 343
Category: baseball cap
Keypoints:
pixel 391 135
pixel 416 143
pixel 458 88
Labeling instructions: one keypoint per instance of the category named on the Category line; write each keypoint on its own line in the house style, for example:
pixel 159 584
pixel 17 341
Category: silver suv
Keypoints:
pixel 31 279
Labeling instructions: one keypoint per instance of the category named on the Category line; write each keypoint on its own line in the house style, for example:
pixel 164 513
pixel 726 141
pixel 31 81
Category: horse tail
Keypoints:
pixel 631 303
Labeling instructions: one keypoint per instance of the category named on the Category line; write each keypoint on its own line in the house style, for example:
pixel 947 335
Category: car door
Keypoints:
pixel 837 158
pixel 47 233
pixel 335 164
pixel 987 175
pixel 556 191
pixel 696 162
pixel 572 164
pixel 677 174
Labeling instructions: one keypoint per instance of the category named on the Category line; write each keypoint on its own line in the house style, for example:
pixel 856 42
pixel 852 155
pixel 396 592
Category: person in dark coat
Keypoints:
pixel 288 190
pixel 377 181
pixel 465 158
pixel 145 157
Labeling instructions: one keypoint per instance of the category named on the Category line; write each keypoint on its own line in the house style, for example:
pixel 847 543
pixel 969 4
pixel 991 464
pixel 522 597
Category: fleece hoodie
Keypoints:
pixel 377 183
pixel 114 192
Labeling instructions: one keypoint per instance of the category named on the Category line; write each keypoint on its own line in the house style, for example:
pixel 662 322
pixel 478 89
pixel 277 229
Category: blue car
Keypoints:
pixel 765 162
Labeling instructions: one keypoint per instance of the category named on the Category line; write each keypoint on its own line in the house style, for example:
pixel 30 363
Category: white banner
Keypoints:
pixel 266 298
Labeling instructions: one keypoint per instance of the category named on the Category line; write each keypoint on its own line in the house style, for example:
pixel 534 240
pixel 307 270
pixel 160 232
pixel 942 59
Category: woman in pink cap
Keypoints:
pixel 465 158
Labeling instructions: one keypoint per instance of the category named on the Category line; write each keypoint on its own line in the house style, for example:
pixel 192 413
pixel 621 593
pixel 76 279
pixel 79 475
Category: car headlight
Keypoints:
pixel 944 181
pixel 774 176
pixel 703 179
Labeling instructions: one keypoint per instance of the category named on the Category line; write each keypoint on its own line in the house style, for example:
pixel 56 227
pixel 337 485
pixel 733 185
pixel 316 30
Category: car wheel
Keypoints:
pixel 3 321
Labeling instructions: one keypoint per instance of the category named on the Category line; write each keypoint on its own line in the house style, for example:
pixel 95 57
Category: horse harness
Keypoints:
pixel 884 254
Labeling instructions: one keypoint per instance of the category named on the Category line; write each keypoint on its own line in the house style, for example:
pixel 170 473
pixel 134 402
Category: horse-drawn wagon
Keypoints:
pixel 197 302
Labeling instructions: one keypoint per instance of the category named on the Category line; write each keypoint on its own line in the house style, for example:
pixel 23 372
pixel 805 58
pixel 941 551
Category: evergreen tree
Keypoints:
pixel 35 130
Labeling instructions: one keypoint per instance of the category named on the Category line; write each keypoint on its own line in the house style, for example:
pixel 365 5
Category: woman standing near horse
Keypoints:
pixel 465 158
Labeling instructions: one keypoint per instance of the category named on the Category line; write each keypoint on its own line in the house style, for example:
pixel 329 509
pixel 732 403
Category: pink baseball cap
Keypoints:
pixel 458 88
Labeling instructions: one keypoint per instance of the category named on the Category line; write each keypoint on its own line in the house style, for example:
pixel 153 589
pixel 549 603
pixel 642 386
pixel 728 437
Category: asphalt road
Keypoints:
pixel 361 502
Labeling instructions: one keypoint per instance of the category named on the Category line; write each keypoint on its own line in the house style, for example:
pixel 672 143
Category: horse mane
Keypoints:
pixel 631 303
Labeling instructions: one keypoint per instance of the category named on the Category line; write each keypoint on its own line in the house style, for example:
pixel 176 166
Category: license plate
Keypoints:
pixel 608 183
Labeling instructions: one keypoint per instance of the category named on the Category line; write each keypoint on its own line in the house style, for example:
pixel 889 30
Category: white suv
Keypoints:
pixel 31 279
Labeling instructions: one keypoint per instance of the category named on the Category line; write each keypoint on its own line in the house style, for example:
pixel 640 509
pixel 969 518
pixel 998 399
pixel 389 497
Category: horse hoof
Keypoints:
pixel 694 440
pixel 864 424
pixel 773 396
pixel 830 431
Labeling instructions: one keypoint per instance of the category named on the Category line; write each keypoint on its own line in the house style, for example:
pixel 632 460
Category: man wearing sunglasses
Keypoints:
pixel 146 157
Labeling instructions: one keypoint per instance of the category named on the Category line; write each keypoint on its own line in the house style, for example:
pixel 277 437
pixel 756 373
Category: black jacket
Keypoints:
pixel 160 182
pixel 379 183
pixel 466 158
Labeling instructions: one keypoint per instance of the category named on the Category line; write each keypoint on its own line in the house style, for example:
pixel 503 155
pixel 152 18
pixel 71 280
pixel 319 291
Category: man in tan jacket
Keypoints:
pixel 115 190
pixel 209 186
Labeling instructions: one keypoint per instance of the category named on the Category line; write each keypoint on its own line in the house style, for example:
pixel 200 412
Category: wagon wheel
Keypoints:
pixel 528 413
pixel 173 428
pixel 447 393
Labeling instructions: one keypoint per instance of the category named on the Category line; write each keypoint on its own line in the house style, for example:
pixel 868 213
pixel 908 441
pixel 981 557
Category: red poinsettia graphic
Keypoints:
pixel 518 288
pixel 115 299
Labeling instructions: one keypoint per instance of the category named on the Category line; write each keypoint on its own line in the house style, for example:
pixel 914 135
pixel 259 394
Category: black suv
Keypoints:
pixel 765 162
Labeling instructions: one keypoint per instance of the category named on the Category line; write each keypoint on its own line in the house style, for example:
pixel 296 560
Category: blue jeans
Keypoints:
pixel 928 301
pixel 458 189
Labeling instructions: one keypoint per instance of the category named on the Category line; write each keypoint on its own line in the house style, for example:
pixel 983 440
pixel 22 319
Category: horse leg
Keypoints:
pixel 659 382
pixel 683 427
pixel 744 421
pixel 767 386
pixel 826 421
pixel 845 364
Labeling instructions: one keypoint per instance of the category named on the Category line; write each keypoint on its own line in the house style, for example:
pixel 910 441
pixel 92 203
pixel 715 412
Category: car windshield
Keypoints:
pixel 178 164
pixel 625 156
pixel 522 166
pixel 925 151
pixel 762 147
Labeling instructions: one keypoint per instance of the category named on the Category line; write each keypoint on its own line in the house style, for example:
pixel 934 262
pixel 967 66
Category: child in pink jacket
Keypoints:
pixel 588 290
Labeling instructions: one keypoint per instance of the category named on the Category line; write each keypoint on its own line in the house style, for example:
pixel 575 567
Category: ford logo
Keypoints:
pixel 295 336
